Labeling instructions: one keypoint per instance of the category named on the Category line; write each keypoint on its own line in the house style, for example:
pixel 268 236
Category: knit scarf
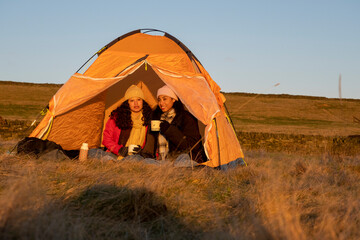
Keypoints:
pixel 163 144
pixel 138 130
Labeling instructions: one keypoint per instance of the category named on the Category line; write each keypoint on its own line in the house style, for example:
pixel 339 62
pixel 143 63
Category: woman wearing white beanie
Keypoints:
pixel 179 130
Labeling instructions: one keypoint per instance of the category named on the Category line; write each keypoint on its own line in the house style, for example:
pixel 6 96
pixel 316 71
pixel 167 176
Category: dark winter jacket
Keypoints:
pixel 182 134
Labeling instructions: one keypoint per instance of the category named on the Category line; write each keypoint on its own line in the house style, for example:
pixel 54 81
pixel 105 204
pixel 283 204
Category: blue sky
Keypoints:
pixel 246 46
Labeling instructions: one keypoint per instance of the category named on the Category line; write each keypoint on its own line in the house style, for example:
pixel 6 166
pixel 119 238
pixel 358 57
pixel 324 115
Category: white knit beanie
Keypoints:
pixel 166 91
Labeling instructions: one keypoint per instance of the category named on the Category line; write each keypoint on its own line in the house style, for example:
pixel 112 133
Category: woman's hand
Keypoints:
pixel 136 149
pixel 123 151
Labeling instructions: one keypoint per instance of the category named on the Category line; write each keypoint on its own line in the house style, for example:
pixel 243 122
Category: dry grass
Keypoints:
pixel 295 186
pixel 24 100
pixel 294 114
pixel 278 196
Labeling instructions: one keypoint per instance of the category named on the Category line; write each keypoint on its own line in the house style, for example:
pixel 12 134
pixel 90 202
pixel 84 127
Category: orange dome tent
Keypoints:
pixel 80 108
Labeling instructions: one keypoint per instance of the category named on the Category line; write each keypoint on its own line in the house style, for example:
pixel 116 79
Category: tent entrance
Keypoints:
pixel 145 78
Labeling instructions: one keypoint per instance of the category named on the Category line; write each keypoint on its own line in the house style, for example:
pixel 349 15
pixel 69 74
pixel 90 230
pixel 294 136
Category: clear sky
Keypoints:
pixel 246 46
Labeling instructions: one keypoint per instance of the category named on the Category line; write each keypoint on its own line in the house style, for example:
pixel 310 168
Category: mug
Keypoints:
pixel 155 125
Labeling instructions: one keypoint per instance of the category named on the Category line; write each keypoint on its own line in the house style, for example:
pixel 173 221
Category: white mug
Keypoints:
pixel 155 125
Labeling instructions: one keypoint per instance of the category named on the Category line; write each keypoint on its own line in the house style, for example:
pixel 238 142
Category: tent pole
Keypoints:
pixel 87 62
pixel 218 142
pixel 228 114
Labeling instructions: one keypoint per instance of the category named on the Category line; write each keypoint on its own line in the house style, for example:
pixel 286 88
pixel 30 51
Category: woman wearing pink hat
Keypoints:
pixel 179 130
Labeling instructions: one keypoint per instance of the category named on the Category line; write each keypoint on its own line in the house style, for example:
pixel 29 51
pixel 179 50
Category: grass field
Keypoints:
pixel 23 101
pixel 249 112
pixel 294 114
pixel 302 180
pixel 277 196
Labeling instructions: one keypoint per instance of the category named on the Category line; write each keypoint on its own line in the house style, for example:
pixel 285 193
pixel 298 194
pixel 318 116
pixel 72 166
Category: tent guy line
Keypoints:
pixel 251 99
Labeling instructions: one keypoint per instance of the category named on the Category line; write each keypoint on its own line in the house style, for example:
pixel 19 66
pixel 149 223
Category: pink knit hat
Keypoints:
pixel 166 91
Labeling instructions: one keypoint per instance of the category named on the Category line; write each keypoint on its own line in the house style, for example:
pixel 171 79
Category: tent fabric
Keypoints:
pixel 86 121
pixel 193 92
pixel 79 110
